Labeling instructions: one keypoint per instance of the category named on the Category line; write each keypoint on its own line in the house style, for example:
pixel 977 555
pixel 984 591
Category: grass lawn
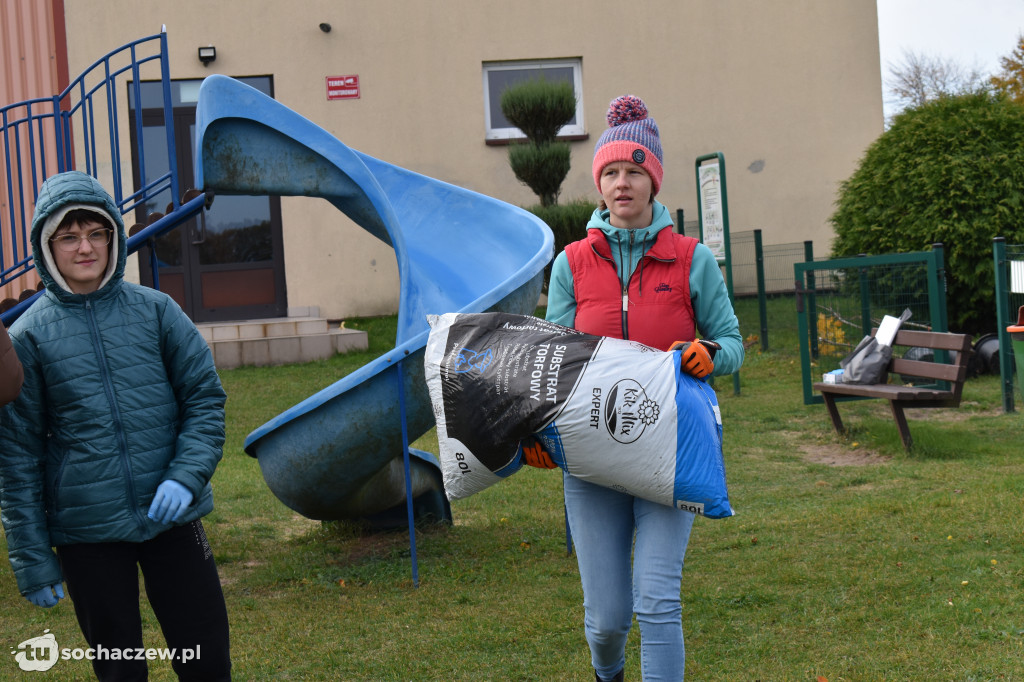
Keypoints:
pixel 848 558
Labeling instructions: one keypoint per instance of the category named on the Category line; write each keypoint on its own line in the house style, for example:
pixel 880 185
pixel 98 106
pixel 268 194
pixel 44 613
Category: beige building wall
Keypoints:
pixel 789 92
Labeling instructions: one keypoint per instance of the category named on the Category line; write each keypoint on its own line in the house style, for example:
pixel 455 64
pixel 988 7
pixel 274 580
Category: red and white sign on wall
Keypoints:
pixel 343 87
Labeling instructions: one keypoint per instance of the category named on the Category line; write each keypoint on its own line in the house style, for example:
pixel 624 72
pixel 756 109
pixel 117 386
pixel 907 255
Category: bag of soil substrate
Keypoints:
pixel 616 413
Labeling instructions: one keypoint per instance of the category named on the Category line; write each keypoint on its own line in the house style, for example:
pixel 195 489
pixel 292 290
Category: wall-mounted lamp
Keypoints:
pixel 207 54
pixel 325 27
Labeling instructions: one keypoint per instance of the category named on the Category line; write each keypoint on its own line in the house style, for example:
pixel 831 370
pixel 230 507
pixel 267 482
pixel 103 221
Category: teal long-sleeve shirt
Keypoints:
pixel 716 320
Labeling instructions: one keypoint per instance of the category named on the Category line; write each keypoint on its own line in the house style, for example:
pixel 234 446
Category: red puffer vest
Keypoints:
pixel 658 309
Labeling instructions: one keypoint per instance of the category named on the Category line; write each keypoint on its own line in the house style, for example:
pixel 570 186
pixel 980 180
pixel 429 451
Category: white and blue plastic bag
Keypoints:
pixel 612 412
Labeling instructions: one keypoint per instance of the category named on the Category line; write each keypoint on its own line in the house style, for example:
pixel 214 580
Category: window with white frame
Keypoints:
pixel 498 76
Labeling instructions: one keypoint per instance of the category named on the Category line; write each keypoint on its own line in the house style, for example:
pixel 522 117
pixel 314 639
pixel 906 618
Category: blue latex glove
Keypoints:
pixel 46 597
pixel 170 501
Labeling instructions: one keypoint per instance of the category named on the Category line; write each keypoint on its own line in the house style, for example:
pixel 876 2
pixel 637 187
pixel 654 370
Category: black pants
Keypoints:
pixel 182 586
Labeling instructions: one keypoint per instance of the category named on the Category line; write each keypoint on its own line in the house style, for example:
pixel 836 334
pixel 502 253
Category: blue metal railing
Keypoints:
pixel 171 221
pixel 38 133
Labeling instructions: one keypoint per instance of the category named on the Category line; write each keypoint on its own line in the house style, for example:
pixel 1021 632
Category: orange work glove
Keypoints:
pixel 535 455
pixel 697 357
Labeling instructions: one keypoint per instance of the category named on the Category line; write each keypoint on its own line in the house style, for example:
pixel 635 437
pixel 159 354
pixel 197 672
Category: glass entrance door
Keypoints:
pixel 228 263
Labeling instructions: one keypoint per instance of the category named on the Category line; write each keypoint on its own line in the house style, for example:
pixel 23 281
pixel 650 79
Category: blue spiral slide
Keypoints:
pixel 339 453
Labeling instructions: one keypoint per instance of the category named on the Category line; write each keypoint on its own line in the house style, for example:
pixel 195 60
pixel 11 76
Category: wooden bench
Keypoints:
pixel 900 396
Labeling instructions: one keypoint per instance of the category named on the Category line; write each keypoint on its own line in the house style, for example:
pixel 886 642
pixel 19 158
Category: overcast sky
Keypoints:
pixel 976 33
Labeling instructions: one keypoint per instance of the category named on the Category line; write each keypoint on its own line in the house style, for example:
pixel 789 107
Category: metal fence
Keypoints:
pixel 840 301
pixel 1008 261
pixel 776 262
pixel 762 271
pixel 848 300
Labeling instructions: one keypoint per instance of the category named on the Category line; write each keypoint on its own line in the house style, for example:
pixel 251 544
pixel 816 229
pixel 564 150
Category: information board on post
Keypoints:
pixel 713 212
pixel 713 218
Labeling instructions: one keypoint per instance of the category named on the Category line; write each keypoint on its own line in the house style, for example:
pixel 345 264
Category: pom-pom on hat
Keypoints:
pixel 632 136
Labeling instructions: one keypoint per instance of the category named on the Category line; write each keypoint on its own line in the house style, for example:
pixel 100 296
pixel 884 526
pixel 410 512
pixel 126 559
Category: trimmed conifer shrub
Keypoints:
pixel 539 108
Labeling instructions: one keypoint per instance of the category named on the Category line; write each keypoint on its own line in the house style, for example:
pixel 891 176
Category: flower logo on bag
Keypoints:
pixel 628 411
pixel 468 360
pixel 648 412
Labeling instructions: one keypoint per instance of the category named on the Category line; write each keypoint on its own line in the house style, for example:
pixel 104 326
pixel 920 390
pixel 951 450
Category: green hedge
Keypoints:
pixel 949 171
pixel 568 222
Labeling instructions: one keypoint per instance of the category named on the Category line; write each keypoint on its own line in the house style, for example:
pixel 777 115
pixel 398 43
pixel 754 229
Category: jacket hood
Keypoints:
pixel 60 194
pixel 659 221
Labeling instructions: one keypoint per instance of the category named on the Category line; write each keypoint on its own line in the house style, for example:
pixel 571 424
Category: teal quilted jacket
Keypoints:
pixel 120 393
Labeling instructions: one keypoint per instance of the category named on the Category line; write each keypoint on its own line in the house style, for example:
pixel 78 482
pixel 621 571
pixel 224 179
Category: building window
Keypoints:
pixel 500 75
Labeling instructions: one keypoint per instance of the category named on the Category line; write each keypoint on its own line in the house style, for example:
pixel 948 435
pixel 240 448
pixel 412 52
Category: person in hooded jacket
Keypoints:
pixel 107 453
pixel 633 277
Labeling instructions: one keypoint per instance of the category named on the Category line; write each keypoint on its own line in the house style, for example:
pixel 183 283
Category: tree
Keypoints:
pixel 1010 81
pixel 539 108
pixel 947 171
pixel 921 78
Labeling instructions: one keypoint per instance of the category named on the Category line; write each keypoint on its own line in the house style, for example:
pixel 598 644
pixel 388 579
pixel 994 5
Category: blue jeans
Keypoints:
pixel 603 523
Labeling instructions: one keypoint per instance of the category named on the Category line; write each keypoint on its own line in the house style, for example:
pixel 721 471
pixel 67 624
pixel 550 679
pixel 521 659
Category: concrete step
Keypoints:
pixel 278 341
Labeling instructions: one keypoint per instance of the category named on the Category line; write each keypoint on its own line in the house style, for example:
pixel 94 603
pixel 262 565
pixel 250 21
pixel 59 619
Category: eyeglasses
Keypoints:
pixel 71 242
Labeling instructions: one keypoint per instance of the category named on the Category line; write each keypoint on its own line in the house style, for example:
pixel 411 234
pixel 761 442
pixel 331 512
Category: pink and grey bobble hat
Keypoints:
pixel 632 136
